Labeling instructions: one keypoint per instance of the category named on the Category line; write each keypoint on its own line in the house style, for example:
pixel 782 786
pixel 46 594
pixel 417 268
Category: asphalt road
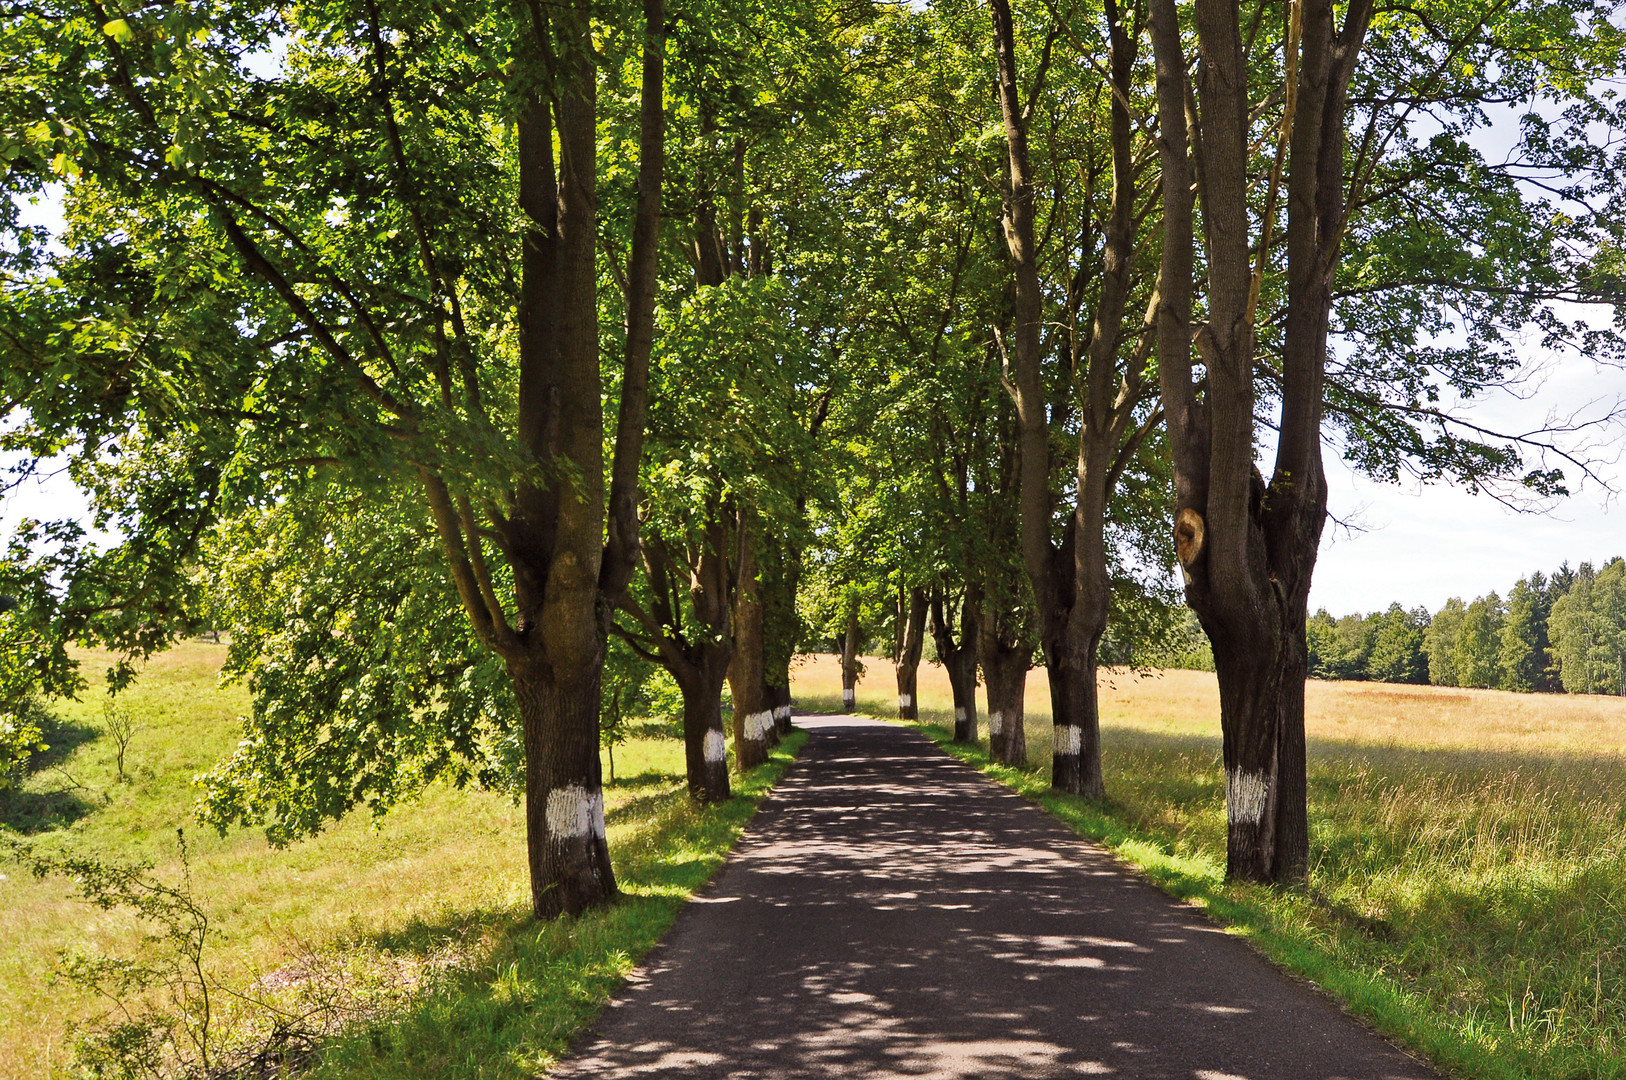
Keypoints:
pixel 893 913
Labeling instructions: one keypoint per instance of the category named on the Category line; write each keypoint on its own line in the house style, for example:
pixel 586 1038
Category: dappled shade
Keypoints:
pixel 893 914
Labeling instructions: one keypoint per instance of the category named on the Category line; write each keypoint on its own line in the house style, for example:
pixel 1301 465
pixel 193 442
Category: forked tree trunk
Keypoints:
pixel 849 663
pixel 906 657
pixel 564 794
pixel 1248 549
pixel 1005 670
pixel 753 720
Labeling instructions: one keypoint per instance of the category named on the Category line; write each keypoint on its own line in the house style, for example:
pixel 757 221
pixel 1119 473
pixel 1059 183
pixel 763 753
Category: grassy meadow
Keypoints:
pixel 416 925
pixel 1467 894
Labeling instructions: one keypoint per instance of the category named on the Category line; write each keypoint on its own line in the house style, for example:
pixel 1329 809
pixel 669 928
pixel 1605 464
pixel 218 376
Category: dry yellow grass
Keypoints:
pixel 1354 713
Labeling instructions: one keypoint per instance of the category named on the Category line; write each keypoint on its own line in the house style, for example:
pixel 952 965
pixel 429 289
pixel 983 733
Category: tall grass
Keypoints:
pixel 1470 902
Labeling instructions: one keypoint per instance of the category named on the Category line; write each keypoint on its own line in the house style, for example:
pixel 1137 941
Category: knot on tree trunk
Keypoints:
pixel 1188 537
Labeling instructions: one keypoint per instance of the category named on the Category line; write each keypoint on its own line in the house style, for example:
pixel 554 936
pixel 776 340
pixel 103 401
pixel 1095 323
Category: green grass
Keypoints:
pixel 1469 904
pixel 417 920
pixel 514 1013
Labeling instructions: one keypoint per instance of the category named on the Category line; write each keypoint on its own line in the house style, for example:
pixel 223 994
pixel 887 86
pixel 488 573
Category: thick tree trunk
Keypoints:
pixel 564 796
pixel 705 746
pixel 753 720
pixel 906 654
pixel 849 663
pixel 1005 670
pixel 1076 750
pixel 1247 548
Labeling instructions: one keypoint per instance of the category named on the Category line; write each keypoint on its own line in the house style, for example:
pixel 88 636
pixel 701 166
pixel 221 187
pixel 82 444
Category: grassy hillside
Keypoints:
pixel 436 887
pixel 1468 848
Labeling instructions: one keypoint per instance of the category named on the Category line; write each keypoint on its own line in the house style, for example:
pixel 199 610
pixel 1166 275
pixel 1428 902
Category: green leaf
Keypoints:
pixel 118 30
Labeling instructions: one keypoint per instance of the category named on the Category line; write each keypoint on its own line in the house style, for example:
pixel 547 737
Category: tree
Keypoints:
pixel 1476 653
pixel 371 276
pixel 1439 642
pixel 717 452
pixel 1524 652
pixel 1589 631
pixel 1249 545
pixel 1103 376
pixel 1397 646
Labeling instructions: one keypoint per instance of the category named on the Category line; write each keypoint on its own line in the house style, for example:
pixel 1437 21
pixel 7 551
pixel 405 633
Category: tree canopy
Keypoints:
pixel 425 347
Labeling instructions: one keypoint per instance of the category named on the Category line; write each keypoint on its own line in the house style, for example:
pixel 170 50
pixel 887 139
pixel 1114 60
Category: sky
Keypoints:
pixel 1409 543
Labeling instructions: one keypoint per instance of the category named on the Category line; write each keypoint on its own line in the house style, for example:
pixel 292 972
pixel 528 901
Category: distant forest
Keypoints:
pixel 1564 631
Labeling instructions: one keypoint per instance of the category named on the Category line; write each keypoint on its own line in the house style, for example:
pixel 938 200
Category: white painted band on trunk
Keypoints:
pixel 905 700
pixel 847 697
pixel 1245 795
pixel 598 814
pixel 959 714
pixel 715 749
pixel 569 811
pixel 757 725
pixel 1069 739
pixel 782 713
pixel 996 723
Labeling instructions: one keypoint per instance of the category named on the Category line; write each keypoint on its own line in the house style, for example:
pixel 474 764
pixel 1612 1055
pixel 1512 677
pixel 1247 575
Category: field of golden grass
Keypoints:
pixel 1356 713
pixel 1467 889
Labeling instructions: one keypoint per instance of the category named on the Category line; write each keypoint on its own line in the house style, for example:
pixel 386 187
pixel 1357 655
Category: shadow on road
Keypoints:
pixel 891 913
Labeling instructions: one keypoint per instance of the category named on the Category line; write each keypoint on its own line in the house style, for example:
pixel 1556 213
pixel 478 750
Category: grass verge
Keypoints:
pixel 514 1013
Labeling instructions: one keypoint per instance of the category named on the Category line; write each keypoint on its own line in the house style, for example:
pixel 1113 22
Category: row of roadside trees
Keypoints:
pixel 431 349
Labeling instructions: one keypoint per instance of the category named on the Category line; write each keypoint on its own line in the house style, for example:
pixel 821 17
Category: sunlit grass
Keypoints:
pixel 441 875
pixel 1468 887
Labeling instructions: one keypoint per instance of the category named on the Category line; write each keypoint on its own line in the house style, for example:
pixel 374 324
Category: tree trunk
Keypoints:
pixel 779 702
pixel 1248 549
pixel 564 796
pixel 753 720
pixel 705 747
pixel 1005 669
pixel 906 654
pixel 1068 639
pixel 781 625
pixel 849 663
pixel 958 653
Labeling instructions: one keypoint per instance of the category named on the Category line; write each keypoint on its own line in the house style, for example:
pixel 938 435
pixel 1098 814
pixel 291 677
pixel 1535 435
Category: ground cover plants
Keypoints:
pixel 421 924
pixel 1467 886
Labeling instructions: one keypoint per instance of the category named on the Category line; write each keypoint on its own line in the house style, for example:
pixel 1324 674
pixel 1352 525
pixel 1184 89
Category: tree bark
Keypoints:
pixel 564 796
pixel 1005 669
pixel 911 636
pixel 958 653
pixel 753 720
pixel 1248 549
pixel 705 745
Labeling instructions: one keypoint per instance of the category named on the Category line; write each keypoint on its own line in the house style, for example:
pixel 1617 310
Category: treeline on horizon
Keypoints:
pixel 1563 632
